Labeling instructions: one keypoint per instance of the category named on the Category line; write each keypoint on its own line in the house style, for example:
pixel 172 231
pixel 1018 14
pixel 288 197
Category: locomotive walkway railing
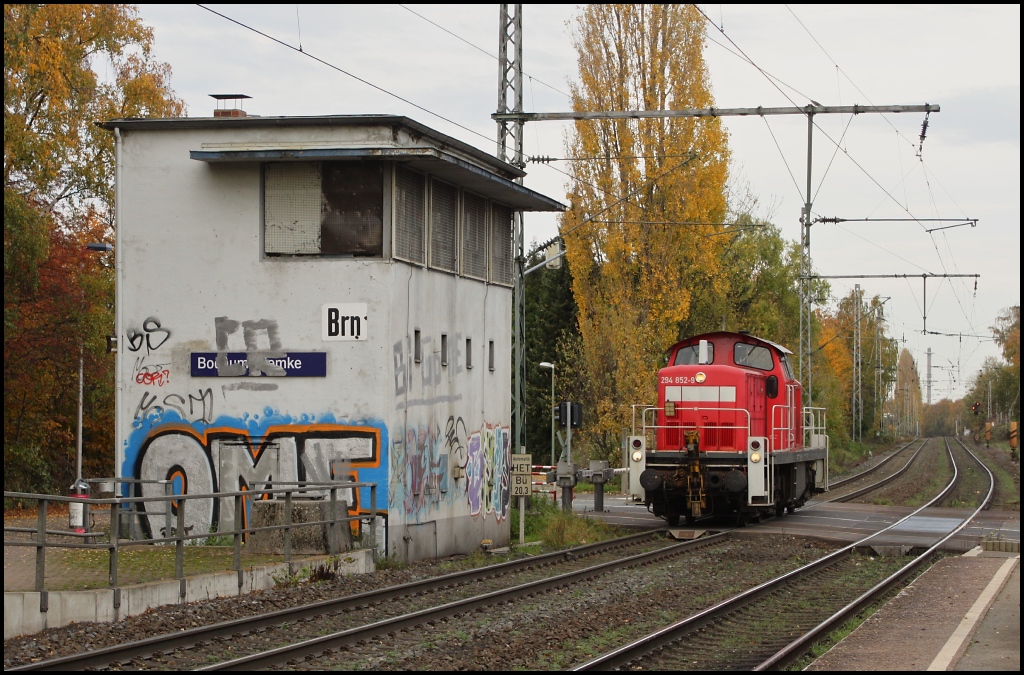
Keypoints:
pixel 718 428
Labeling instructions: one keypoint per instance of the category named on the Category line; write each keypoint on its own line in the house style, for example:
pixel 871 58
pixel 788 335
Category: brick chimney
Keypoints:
pixel 229 105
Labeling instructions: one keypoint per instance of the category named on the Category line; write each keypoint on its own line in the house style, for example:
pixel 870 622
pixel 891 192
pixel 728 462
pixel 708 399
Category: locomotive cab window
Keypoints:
pixel 752 356
pixel 787 370
pixel 690 356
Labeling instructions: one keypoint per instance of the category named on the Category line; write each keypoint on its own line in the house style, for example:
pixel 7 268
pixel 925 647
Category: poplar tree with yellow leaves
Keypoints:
pixel 647 199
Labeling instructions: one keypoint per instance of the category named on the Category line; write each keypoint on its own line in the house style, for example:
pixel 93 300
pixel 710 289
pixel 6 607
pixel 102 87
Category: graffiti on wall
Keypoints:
pixel 177 436
pixel 258 362
pixel 435 466
pixel 412 390
pixel 250 454
pixel 152 335
pixel 197 408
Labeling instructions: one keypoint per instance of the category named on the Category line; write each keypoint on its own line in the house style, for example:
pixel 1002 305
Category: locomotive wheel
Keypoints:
pixel 690 519
pixel 780 510
pixel 673 519
pixel 741 520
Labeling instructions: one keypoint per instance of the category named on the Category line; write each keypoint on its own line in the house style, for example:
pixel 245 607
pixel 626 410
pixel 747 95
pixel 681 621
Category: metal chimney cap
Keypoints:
pixel 227 97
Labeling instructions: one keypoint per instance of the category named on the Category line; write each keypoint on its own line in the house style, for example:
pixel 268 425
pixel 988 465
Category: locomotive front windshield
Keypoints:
pixel 753 356
pixel 690 356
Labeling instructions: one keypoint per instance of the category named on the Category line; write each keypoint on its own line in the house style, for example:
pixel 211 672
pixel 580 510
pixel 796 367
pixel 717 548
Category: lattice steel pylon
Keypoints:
pixel 510 149
pixel 806 288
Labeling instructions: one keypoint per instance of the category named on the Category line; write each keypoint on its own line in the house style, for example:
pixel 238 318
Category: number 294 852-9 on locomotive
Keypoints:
pixel 731 434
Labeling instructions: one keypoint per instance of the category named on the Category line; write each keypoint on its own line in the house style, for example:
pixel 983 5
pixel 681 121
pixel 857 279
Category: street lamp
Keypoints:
pixel 80 489
pixel 545 364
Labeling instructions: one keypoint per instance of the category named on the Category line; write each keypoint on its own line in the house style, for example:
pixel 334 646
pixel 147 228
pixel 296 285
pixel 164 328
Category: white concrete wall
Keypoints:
pixel 192 253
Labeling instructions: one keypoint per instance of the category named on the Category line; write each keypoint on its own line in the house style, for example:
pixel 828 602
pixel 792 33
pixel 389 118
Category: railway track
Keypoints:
pixel 852 487
pixel 834 484
pixel 381 628
pixel 775 623
pixel 392 602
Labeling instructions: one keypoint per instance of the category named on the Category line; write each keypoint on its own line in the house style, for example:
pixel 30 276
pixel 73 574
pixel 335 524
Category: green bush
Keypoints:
pixel 556 528
pixel 26 470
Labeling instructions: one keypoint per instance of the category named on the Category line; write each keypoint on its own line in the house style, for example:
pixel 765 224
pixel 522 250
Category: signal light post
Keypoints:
pixel 551 366
pixel 568 415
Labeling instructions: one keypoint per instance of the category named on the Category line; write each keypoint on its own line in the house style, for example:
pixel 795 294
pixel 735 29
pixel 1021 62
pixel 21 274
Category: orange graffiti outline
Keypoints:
pixel 295 429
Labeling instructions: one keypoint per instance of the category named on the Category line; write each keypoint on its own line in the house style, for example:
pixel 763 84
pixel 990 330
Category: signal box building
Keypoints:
pixel 314 298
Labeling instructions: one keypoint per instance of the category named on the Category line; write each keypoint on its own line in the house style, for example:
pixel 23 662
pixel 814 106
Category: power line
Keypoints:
pixel 784 161
pixel 839 69
pixel 924 128
pixel 547 160
pixel 345 72
pixel 479 49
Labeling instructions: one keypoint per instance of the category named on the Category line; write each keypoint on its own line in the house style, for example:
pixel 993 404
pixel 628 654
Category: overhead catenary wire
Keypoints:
pixel 783 155
pixel 918 153
pixel 905 207
pixel 345 72
pixel 772 80
pixel 480 49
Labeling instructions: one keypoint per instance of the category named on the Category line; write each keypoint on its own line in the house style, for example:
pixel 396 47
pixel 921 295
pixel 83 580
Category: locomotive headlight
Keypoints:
pixel 670 408
pixel 637 455
pixel 755 457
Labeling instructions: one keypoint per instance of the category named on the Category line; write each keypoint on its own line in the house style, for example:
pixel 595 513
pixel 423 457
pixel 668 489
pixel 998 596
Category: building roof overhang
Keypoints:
pixel 474 170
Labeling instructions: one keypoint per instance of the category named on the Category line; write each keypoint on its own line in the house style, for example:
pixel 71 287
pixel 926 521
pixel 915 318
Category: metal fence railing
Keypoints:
pixel 125 529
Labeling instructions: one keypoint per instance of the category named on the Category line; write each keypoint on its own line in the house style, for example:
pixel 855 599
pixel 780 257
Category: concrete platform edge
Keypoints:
pixel 22 615
pixel 957 643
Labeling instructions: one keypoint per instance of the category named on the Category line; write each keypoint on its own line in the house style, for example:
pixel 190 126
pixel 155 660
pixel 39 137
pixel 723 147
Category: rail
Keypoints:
pixel 125 652
pixel 626 654
pixel 880 483
pixel 792 651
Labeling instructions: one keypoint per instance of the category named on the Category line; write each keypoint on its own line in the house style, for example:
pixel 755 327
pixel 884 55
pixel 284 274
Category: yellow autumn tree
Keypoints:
pixel 906 404
pixel 646 196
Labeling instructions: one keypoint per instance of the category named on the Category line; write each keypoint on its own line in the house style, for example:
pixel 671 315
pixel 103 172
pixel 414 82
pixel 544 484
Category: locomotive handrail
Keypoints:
pixel 786 408
pixel 646 426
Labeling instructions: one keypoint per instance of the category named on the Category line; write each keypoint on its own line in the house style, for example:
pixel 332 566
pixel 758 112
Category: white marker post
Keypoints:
pixel 522 486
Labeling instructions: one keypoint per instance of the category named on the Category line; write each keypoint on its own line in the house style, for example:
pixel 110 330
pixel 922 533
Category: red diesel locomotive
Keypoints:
pixel 731 434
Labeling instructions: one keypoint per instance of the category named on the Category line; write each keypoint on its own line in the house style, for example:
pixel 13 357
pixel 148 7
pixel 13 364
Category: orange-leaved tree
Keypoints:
pixel 58 188
pixel 647 196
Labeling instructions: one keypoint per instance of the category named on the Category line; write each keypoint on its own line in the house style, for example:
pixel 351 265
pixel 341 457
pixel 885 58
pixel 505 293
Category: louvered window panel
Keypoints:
pixel 444 212
pixel 352 217
pixel 501 244
pixel 291 208
pixel 410 215
pixel 474 236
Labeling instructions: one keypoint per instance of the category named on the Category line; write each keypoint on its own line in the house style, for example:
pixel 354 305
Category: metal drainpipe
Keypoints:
pixel 118 307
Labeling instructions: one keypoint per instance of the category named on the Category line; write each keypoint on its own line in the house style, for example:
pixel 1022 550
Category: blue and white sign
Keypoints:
pixel 274 364
pixel 348 321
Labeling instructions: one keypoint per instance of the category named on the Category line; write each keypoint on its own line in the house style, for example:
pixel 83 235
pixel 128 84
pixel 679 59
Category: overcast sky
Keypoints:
pixel 964 58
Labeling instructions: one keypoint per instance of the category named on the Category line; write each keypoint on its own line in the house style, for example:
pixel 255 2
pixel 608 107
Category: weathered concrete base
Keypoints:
pixel 309 540
pixel 22 615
